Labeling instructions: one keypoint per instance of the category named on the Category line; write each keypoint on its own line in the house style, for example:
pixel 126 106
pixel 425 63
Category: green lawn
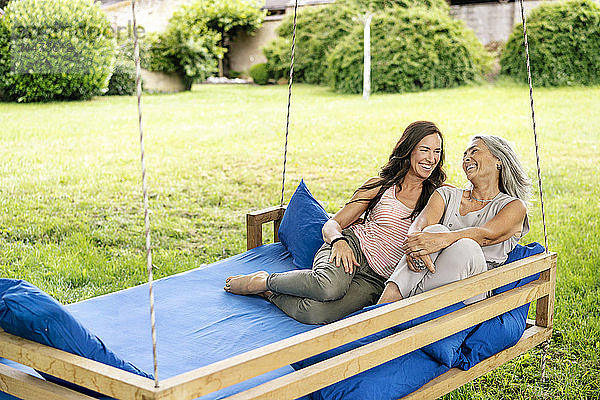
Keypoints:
pixel 70 189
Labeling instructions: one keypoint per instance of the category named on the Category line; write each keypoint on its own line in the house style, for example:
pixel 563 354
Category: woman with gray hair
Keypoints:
pixel 463 232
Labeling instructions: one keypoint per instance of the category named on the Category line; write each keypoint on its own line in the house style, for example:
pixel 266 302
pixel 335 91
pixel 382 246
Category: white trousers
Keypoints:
pixel 460 260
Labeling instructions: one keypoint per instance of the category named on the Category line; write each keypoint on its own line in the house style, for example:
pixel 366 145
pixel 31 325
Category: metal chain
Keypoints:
pixel 537 156
pixel 289 102
pixel 537 153
pixel 138 84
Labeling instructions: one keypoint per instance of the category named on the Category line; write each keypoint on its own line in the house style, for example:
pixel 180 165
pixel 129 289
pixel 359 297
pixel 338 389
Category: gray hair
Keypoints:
pixel 513 179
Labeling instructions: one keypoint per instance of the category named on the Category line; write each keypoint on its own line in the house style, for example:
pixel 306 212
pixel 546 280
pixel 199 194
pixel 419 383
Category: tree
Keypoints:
pixel 228 18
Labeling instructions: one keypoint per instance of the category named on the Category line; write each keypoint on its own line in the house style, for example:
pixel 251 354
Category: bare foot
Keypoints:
pixel 247 284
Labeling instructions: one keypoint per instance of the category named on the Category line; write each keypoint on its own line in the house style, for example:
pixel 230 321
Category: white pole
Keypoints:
pixel 367 57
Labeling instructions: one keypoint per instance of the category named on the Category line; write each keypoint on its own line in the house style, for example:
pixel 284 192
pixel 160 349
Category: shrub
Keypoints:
pixel 4 54
pixel 259 74
pixel 228 18
pixel 122 80
pixel 187 47
pixel 564 45
pixel 411 49
pixel 58 50
pixel 319 29
pixel 198 35
pixel 3 4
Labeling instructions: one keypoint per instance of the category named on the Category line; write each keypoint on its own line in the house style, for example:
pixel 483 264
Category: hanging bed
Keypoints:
pixel 217 345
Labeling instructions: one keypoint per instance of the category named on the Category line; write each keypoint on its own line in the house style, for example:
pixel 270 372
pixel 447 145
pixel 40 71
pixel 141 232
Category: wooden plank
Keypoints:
pixel 544 311
pixel 337 368
pixel 265 215
pixel 276 225
pixel 27 387
pixel 253 236
pixel 455 378
pixel 253 363
pixel 79 370
pixel 255 221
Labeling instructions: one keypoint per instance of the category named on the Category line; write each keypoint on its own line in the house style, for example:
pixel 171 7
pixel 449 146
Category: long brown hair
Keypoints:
pixel 398 165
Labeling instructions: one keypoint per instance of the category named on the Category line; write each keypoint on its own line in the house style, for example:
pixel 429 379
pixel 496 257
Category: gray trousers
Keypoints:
pixel 462 259
pixel 326 293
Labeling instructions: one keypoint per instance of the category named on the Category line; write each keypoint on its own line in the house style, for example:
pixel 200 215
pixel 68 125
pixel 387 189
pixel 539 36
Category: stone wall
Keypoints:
pixel 152 15
pixel 245 50
pixel 492 22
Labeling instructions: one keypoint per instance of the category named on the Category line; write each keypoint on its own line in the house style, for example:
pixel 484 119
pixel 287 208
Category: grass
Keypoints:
pixel 70 190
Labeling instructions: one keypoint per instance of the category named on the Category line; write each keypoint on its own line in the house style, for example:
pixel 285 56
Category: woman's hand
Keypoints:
pixel 425 260
pixel 342 255
pixel 423 243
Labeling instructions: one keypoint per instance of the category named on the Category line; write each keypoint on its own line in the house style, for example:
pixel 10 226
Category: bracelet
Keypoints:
pixel 337 239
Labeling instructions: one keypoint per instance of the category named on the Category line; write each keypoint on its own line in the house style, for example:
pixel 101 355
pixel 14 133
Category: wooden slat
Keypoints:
pixel 545 306
pixel 337 368
pixel 266 215
pixel 255 221
pixel 455 378
pixel 72 368
pixel 27 387
pixel 253 236
pixel 267 358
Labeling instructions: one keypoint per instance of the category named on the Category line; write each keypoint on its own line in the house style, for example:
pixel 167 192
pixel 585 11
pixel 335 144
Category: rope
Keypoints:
pixel 138 84
pixel 537 156
pixel 537 153
pixel 289 102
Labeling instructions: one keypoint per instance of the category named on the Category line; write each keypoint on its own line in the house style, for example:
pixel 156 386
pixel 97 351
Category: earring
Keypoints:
pixel 499 167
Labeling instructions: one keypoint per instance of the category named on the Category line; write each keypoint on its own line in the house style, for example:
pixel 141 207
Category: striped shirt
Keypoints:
pixel 384 231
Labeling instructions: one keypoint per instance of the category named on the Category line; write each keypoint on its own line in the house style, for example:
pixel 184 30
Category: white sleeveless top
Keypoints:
pixel 495 254
pixel 382 234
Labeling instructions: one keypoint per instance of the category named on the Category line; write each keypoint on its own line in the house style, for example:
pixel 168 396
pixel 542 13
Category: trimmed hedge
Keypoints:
pixel 564 45
pixel 319 29
pixel 59 50
pixel 411 49
pixel 259 74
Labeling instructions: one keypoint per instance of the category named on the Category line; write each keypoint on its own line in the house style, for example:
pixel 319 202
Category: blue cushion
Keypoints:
pixel 518 253
pixel 28 312
pixel 300 229
pixel 391 380
pixel 505 329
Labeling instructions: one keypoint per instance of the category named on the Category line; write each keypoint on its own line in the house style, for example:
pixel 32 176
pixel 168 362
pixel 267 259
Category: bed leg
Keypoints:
pixel 544 313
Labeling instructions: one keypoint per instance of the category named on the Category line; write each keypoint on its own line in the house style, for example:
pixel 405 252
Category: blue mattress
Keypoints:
pixel 198 324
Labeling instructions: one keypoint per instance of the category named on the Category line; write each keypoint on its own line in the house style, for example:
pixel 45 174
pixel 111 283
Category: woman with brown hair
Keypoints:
pixel 350 269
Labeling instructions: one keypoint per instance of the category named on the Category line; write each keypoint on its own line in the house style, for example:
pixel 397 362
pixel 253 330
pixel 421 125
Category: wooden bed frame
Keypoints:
pixel 190 385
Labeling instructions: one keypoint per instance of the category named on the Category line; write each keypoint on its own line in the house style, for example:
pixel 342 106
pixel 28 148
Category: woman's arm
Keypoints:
pixel 507 223
pixel 341 253
pixel 431 214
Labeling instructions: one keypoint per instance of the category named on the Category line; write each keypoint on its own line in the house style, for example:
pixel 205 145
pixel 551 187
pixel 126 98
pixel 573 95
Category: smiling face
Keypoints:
pixel 479 162
pixel 426 156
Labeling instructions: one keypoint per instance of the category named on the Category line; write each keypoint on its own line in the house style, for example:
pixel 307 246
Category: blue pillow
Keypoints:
pixel 503 331
pixel 300 229
pixel 28 312
pixel 391 380
pixel 518 253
